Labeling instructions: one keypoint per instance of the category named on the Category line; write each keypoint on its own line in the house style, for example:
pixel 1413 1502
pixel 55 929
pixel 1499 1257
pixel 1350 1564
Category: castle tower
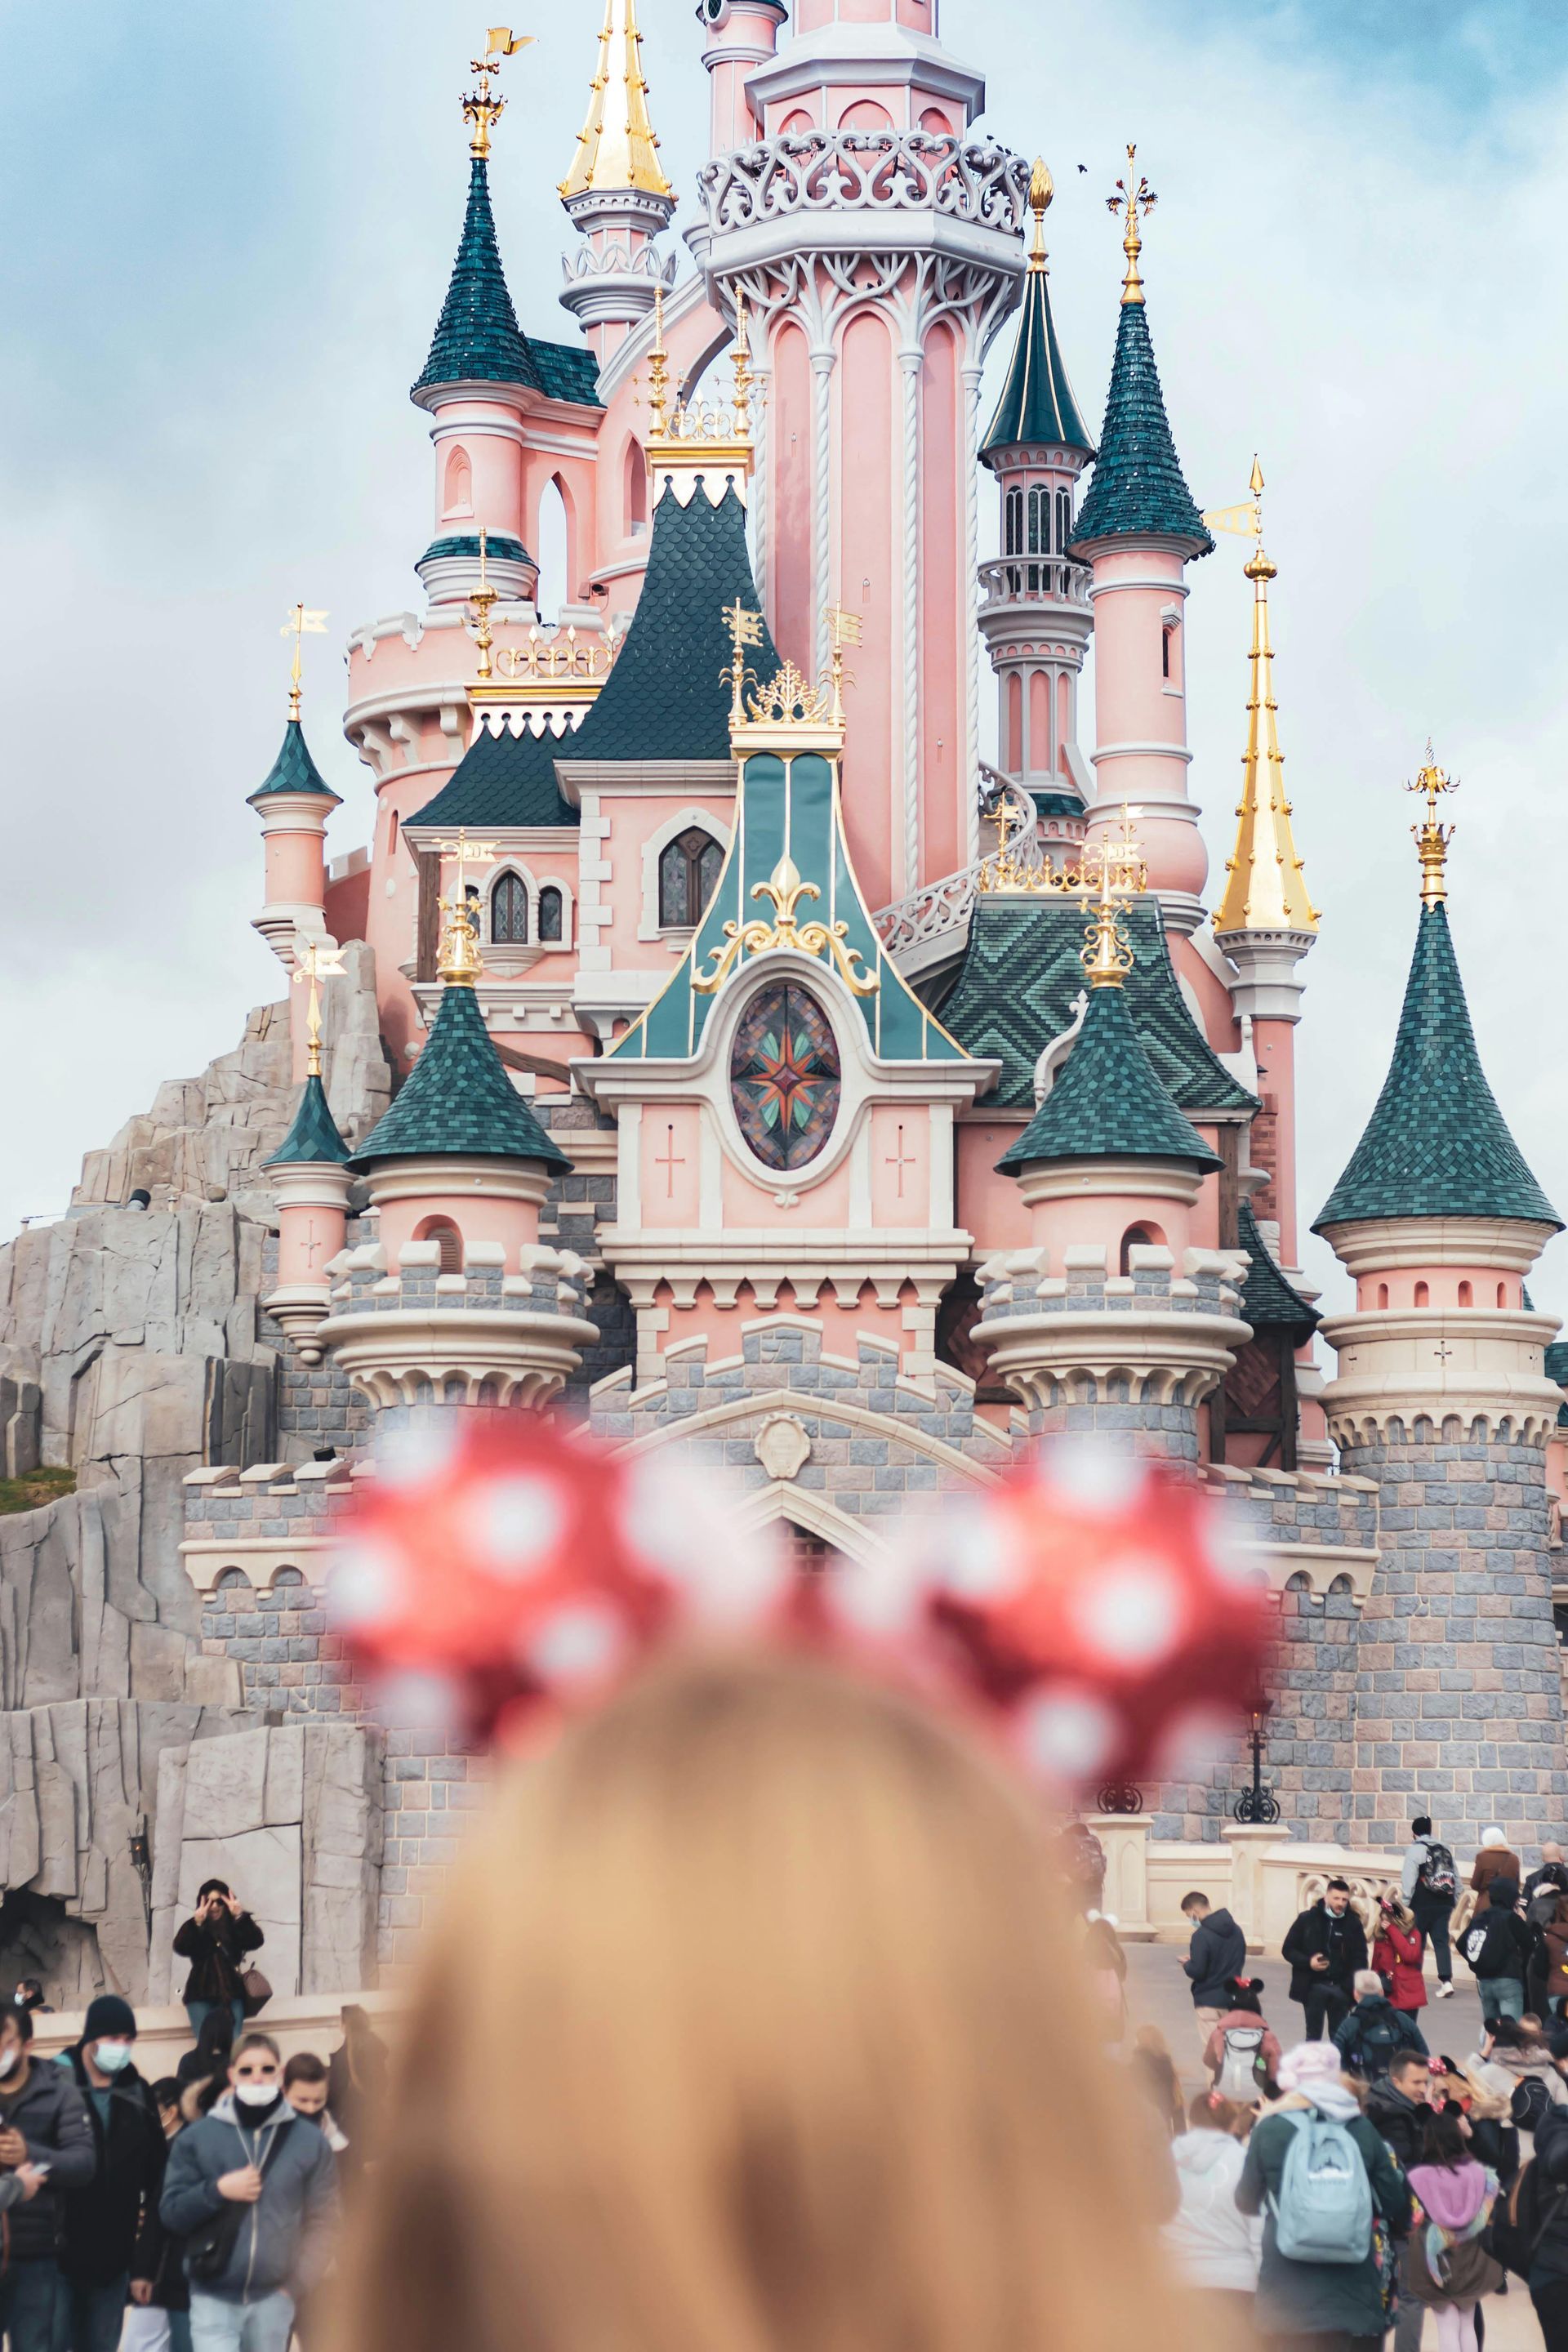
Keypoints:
pixel 294 804
pixel 1265 922
pixel 1139 529
pixel 1441 1396
pixel 874 312
pixel 456 1303
pixel 617 194
pixel 473 385
pixel 311 1185
pixel 1034 601
pixel 742 35
pixel 1093 1326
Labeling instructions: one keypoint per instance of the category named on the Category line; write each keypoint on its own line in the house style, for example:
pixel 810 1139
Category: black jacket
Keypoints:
pixel 1318 1931
pixel 1507 1942
pixel 1552 2154
pixel 1397 2121
pixel 216 1949
pixel 48 2113
pixel 1218 1954
pixel 102 2221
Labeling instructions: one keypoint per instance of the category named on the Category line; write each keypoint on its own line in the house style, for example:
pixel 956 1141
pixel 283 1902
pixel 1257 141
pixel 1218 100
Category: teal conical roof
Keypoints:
pixel 1107 1103
pixel 458 1104
pixel 314 1137
pixel 1036 402
pixel 477 338
pixel 294 771
pixel 1437 1144
pixel 1139 490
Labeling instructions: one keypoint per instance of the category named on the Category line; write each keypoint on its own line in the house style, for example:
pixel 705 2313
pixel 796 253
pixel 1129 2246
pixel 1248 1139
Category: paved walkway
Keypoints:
pixel 1158 1994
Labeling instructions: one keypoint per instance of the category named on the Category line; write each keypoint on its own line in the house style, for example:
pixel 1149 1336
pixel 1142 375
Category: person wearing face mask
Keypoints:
pixel 101 2221
pixel 47 2150
pixel 252 2188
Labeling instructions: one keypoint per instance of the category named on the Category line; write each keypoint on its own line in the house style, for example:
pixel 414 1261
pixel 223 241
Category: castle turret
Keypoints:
pixel 479 367
pixel 1140 528
pixel 1442 1397
pixel 1265 921
pixel 615 194
pixel 456 1302
pixel 311 1185
pixel 1034 601
pixel 742 35
pixel 294 804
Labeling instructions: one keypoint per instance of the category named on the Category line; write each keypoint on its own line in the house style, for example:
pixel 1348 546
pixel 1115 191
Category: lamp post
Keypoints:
pixel 1257 1806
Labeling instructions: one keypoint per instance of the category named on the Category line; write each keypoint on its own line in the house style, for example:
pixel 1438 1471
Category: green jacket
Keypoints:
pixel 1319 2298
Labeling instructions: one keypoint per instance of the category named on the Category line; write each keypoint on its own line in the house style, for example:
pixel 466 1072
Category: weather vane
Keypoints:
pixel 1136 200
pixel 844 629
pixel 301 623
pixel 482 107
pixel 315 960
pixel 466 852
pixel 1432 839
pixel 745 630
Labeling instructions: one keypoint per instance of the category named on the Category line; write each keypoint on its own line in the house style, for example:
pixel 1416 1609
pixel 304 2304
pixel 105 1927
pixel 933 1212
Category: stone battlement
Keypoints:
pixel 1021 1282
pixel 1307 1524
pixel 548 1280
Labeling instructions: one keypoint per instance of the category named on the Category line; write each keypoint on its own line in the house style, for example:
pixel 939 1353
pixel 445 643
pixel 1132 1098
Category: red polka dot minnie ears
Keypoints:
pixel 1097 1608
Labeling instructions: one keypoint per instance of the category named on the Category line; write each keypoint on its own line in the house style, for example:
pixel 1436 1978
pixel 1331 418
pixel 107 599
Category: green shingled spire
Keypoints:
pixel 1139 489
pixel 459 1102
pixel 314 1136
pixel 1036 402
pixel 294 771
pixel 1107 1103
pixel 477 338
pixel 1437 1144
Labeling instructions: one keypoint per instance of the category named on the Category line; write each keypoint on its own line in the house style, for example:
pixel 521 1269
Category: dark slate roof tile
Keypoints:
pixel 1139 489
pixel 1036 402
pixel 458 1102
pixel 1107 1103
pixel 1268 1301
pixel 294 771
pixel 477 338
pixel 567 371
pixel 504 779
pixel 314 1136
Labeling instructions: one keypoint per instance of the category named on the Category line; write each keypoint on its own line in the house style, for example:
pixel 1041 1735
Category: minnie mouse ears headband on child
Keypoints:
pixel 1095 1607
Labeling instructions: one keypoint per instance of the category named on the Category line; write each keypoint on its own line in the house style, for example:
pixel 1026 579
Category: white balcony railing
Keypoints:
pixel 866 170
pixel 1032 580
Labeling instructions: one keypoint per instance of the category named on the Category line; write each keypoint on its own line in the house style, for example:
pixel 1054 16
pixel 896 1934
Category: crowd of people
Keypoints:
pixel 190 2213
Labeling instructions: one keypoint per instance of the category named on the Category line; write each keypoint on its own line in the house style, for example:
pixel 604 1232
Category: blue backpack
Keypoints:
pixel 1322 2212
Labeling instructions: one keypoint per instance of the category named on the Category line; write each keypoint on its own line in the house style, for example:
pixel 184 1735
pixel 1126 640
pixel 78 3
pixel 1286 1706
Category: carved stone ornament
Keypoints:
pixel 782 1445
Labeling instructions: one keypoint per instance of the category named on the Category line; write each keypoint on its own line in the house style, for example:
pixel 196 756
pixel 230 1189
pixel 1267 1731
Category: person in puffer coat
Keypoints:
pixel 253 2152
pixel 1215 2248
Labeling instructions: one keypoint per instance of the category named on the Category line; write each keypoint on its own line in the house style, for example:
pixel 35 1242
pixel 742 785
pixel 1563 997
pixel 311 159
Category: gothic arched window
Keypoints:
pixel 688 869
pixel 1013 516
pixel 549 913
pixel 1039 521
pixel 1064 521
pixel 508 912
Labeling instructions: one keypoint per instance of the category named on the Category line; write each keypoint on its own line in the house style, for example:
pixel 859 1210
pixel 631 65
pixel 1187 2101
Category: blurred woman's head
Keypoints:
pixel 1209 2112
pixel 751 2026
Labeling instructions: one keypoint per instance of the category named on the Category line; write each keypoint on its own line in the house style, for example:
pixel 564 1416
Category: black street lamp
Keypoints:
pixel 1257 1805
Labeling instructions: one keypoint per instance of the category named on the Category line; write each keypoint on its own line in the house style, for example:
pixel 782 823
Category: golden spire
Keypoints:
pixel 300 625
pixel 658 372
pixel 1114 871
pixel 1432 839
pixel 1042 188
pixel 741 360
pixel 617 149
pixel 484 600
pixel 1264 890
pixel 315 960
pixel 482 107
pixel 1135 199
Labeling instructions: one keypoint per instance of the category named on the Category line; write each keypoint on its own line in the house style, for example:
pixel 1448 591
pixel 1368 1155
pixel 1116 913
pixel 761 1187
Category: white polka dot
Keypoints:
pixel 882 1597
pixel 1094 1476
pixel 419 1702
pixel 367 1584
pixel 984 1555
pixel 688 1528
pixel 1229 1547
pixel 1069 1734
pixel 1133 1613
pixel 1197 1741
pixel 412 1456
pixel 580 1644
pixel 515 1522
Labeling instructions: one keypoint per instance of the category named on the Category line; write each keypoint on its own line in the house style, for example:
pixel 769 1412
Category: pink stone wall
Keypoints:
pixel 869 569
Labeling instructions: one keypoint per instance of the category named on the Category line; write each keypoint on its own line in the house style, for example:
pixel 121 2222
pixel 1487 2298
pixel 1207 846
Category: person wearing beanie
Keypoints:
pixel 1495 1859
pixel 46 2153
pixel 1319 2300
pixel 216 1939
pixel 102 2220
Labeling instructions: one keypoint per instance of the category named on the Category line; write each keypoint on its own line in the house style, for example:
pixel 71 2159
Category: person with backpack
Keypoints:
pixel 1369 2038
pixel 1445 2266
pixel 1528 2231
pixel 1322 2178
pixel 102 2220
pixel 1497 1944
pixel 1215 2248
pixel 1326 1947
pixel 1216 1956
pixel 1241 2055
pixel 1546 1972
pixel 1429 1882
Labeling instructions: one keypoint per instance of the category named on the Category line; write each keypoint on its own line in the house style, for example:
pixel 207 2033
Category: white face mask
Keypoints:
pixel 112 2056
pixel 255 2095
pixel 8 2059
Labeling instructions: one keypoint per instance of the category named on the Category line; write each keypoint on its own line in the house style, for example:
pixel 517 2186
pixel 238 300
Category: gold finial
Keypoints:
pixel 1135 199
pixel 1265 887
pixel 301 624
pixel 482 107
pixel 844 629
pixel 1042 188
pixel 484 600
pixel 1432 839
pixel 658 372
pixel 1107 956
pixel 617 149
pixel 744 379
pixel 459 963
pixel 745 630
pixel 315 961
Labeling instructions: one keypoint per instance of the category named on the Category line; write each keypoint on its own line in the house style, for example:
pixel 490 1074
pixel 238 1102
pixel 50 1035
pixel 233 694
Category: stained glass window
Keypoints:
pixel 688 870
pixel 785 1078
pixel 508 912
pixel 550 904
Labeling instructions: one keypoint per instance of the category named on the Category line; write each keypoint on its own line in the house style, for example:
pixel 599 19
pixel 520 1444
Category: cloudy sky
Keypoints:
pixel 226 238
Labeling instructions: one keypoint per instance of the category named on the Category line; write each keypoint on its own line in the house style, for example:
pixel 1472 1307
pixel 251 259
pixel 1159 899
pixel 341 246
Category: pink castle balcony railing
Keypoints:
pixel 1032 580
pixel 866 170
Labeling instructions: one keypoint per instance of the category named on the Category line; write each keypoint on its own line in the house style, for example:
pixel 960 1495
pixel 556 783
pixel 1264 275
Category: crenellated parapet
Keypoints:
pixel 411 1334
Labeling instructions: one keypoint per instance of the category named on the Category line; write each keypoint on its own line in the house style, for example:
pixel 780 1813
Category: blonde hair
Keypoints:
pixel 753 2024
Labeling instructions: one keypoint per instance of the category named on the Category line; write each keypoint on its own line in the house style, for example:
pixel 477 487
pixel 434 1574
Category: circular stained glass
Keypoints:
pixel 785 1079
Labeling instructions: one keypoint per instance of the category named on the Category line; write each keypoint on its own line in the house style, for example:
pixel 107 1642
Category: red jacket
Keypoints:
pixel 1397 1955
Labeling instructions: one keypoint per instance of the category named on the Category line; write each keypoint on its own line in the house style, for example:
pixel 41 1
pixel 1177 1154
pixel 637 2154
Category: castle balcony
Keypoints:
pixel 850 191
pixel 1031 580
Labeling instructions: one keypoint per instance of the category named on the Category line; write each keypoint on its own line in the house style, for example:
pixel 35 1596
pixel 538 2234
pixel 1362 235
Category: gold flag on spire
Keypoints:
pixel 484 107
pixel 1265 889
pixel 301 623
pixel 1135 199
pixel 617 149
